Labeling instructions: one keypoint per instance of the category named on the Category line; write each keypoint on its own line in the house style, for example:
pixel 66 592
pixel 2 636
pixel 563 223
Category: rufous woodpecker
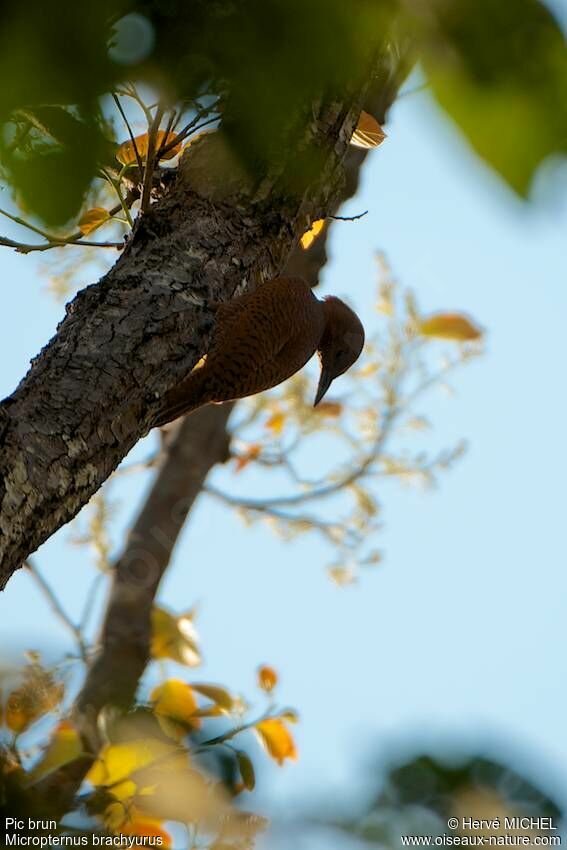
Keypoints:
pixel 264 337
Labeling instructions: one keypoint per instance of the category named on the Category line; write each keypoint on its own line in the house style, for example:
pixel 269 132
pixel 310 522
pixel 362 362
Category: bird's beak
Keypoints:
pixel 325 382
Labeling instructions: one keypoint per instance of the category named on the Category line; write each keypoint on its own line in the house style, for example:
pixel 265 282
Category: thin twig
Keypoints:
pixel 192 127
pixel 389 418
pixel 130 133
pixel 27 248
pixel 23 223
pixel 57 608
pixel 151 159
pixel 63 241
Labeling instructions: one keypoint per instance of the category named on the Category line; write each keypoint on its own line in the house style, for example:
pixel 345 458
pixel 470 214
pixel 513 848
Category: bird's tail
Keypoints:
pixel 184 398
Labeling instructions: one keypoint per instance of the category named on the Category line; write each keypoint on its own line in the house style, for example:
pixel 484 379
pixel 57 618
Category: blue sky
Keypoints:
pixel 462 631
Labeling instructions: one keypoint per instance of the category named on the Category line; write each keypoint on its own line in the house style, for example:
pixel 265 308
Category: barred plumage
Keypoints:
pixel 264 337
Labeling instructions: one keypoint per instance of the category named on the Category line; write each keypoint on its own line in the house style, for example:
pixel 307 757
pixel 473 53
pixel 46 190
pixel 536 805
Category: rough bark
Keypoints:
pixel 88 396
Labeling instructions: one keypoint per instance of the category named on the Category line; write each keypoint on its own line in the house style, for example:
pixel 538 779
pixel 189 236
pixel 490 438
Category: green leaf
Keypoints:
pixel 246 769
pixel 52 184
pixel 500 71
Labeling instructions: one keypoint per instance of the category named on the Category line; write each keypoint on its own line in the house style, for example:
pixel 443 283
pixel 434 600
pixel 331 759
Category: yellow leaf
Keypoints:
pixel 124 790
pixel 329 408
pixel 126 152
pixel 91 219
pixel 342 576
pixel 246 769
pixel 64 746
pixel 116 762
pixel 267 678
pixel 175 700
pixel 367 370
pixel 116 815
pixel 217 694
pixel 174 637
pixel 364 500
pixel 290 715
pixel 368 133
pixel 251 453
pixel 453 326
pixel 311 235
pixel 277 739
pixel 276 422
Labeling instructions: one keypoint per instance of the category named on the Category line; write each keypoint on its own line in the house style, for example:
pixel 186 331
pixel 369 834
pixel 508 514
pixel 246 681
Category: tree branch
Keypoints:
pixel 89 395
pixel 191 449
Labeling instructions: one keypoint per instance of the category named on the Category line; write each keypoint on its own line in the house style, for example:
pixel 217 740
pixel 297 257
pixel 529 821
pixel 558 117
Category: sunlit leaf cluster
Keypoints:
pixel 150 776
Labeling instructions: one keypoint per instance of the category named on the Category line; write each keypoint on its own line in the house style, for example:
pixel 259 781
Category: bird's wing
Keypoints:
pixel 227 315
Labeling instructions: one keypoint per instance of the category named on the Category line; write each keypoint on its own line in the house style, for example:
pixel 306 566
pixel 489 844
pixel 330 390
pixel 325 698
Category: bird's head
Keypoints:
pixel 341 343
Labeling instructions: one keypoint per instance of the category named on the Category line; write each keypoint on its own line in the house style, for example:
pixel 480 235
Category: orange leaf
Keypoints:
pixel 368 133
pixel 148 828
pixel 277 739
pixel 126 152
pixel 276 422
pixel 453 326
pixel 311 235
pixel 91 219
pixel 251 453
pixel 267 678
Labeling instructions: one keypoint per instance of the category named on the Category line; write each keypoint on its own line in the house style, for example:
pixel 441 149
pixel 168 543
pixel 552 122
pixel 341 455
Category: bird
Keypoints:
pixel 261 339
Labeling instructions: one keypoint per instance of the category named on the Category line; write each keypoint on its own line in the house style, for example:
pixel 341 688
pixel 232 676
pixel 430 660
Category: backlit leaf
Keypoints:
pixel 368 133
pixel 290 714
pixel 126 153
pixel 342 576
pixel 267 678
pixel 329 408
pixel 148 828
pixel 277 739
pixel 216 693
pixel 175 700
pixel 276 422
pixel 91 219
pixel 116 762
pixel 311 235
pixel 174 637
pixel 251 453
pixel 63 747
pixel 453 326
